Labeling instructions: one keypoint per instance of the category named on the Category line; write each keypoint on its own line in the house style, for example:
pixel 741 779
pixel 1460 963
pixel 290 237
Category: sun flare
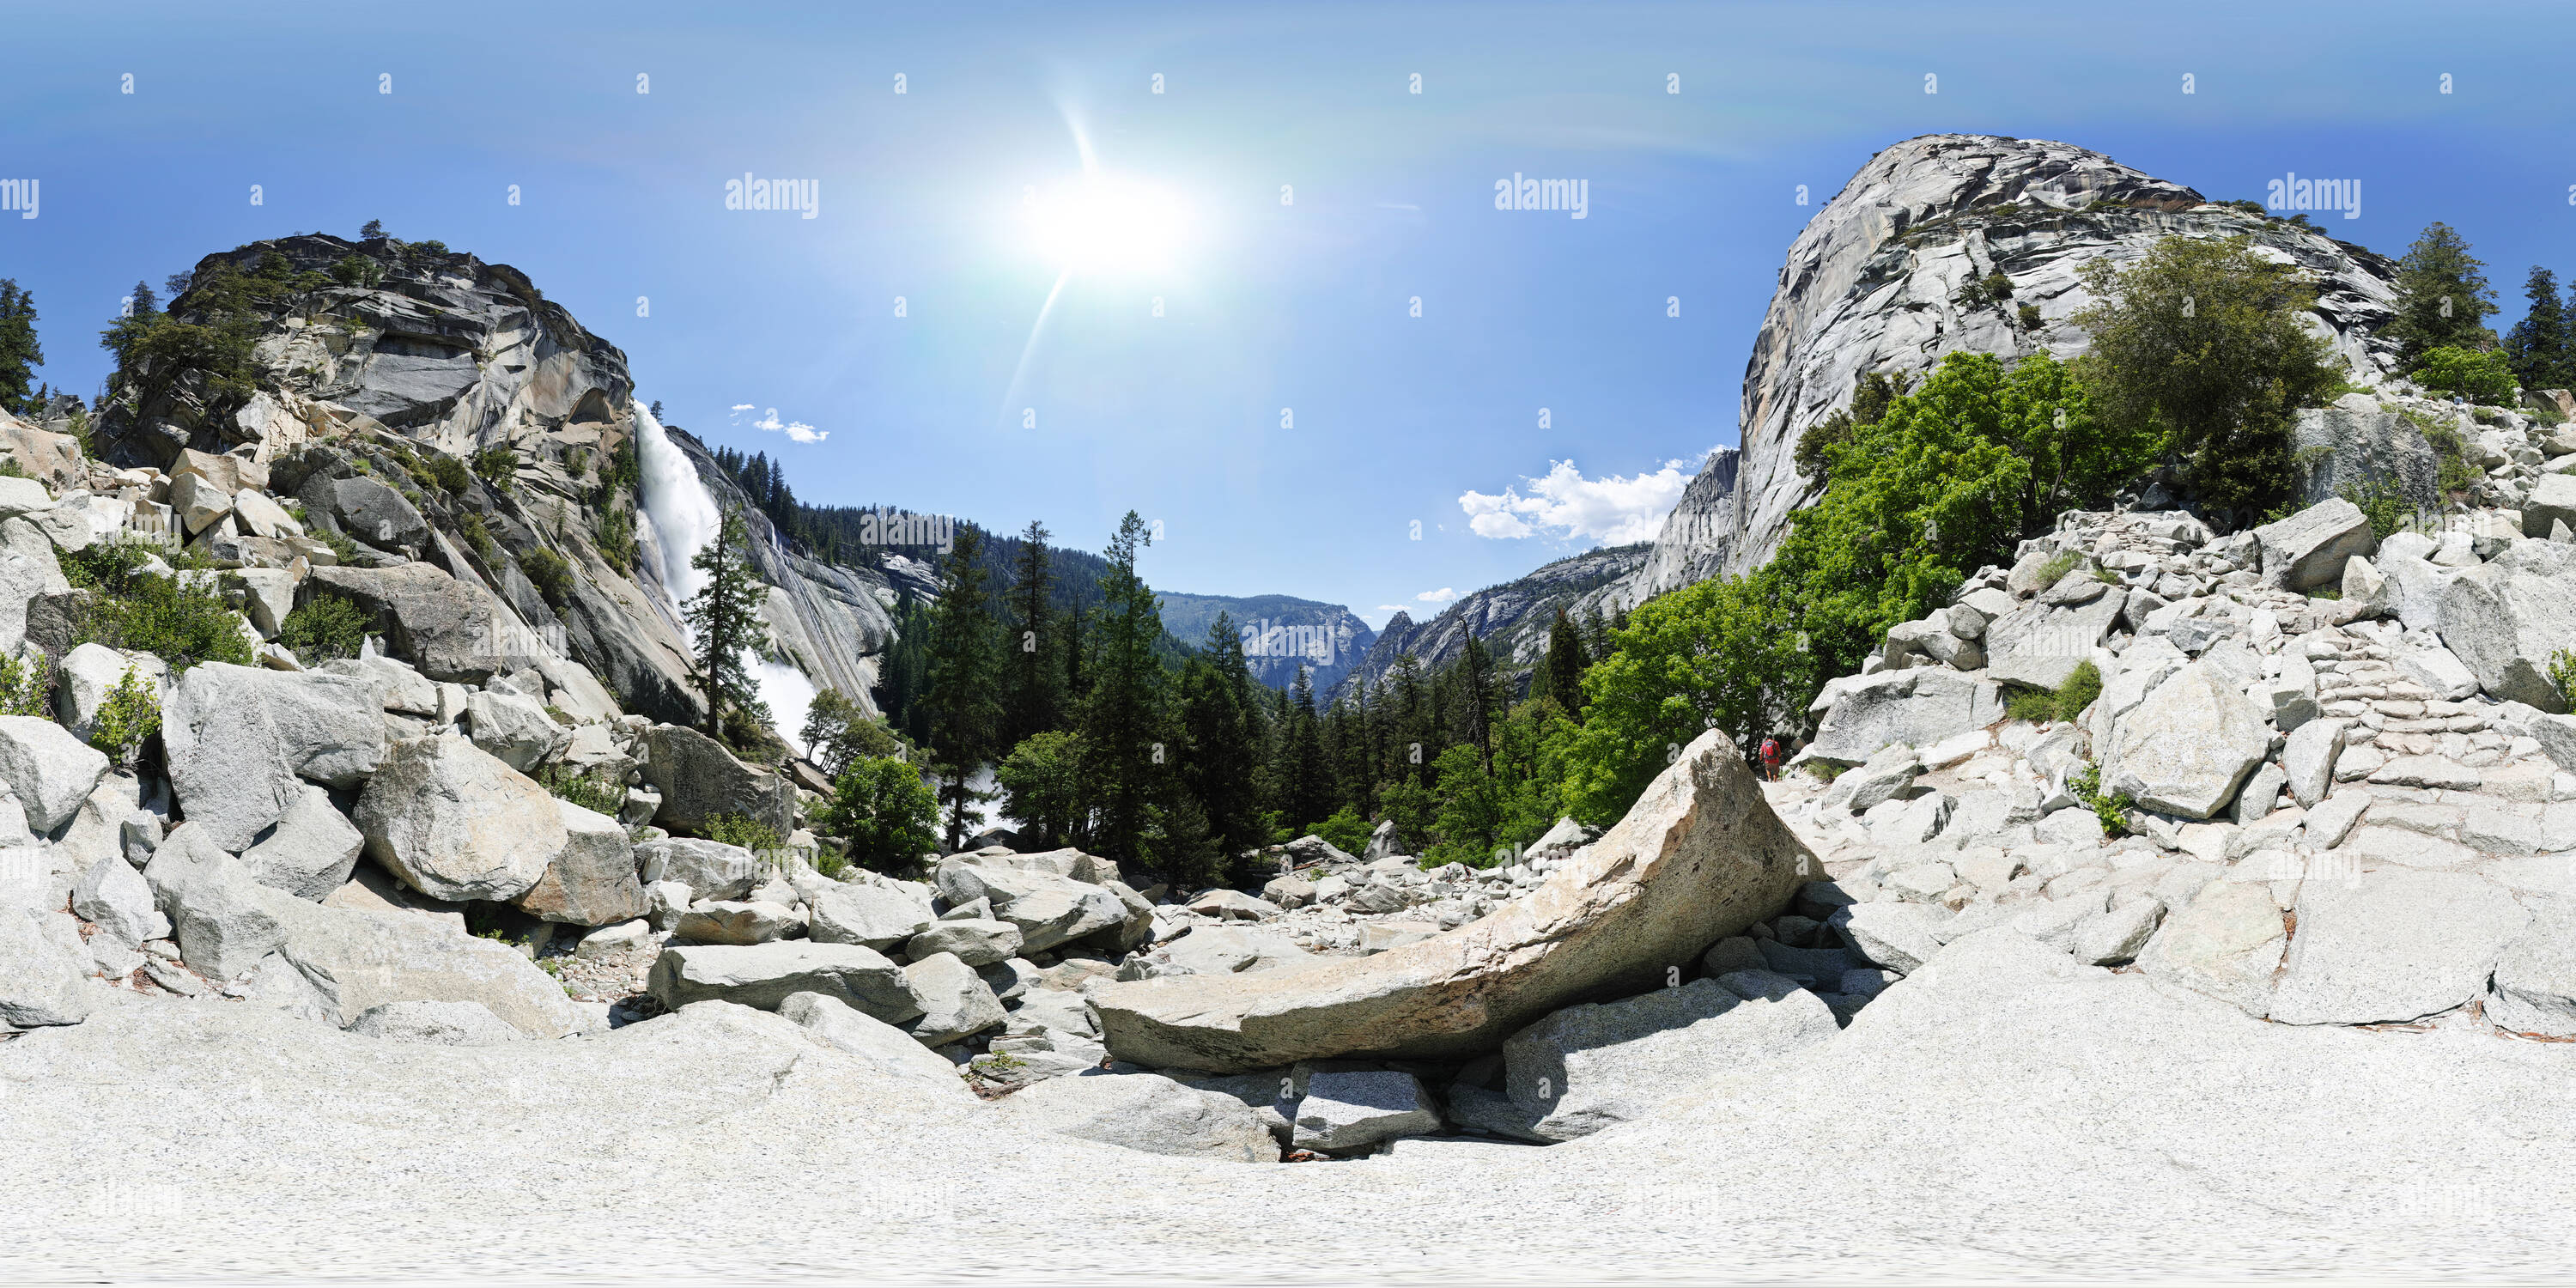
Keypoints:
pixel 1105 225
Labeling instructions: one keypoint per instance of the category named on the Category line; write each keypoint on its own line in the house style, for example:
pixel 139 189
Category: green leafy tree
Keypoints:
pixel 2538 347
pixel 1478 693
pixel 20 354
pixel 2442 297
pixel 724 617
pixel 2203 341
pixel 1123 717
pixel 371 230
pixel 2480 377
pixel 962 702
pixel 1044 789
pixel 837 732
pixel 1720 654
pixel 889 816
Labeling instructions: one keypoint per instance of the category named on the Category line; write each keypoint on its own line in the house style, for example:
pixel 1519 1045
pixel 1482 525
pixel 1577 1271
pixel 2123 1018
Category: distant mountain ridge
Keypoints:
pixel 1279 633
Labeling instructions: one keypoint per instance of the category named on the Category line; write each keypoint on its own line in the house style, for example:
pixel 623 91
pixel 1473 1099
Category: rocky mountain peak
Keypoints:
pixel 1902 268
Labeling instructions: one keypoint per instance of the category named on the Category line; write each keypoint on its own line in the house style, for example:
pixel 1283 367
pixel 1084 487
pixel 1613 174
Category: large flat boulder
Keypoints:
pixel 40 983
pixel 310 852
pixel 450 629
pixel 2394 945
pixel 1049 910
pixel 1916 707
pixel 2308 549
pixel 28 570
pixel 243 740
pixel 1699 857
pixel 455 823
pixel 700 781
pixel 2535 979
pixel 761 976
pixel 223 923
pixel 49 770
pixel 2226 943
pixel 879 913
pixel 363 960
pixel 710 869
pixel 2505 617
pixel 1597 1065
pixel 1147 1112
pixel 891 1051
pixel 2188 745
pixel 592 881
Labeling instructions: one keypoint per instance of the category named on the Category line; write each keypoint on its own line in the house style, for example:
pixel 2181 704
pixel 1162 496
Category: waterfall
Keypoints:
pixel 684 518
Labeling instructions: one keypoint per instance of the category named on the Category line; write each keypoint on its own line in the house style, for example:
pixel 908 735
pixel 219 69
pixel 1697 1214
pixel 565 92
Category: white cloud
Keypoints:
pixel 797 431
pixel 1440 596
pixel 1613 509
pixel 1390 608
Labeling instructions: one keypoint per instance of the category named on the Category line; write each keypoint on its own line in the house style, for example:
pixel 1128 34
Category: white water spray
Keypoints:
pixel 684 518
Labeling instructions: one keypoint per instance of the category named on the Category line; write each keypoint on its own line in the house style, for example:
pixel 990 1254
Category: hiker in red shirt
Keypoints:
pixel 1771 758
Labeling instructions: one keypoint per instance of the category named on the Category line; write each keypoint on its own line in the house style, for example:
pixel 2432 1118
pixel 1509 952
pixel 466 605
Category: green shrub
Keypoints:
pixel 2479 376
pixel 2562 673
pixel 342 548
pixel 2029 317
pixel 750 834
pixel 131 714
pixel 448 472
pixel 2382 502
pixel 498 467
pixel 2057 567
pixel 479 538
pixel 613 531
pixel 324 627
pixel 596 790
pixel 548 572
pixel 2113 810
pixel 181 620
pixel 24 685
pixel 2081 686
pixel 105 565
pixel 1345 830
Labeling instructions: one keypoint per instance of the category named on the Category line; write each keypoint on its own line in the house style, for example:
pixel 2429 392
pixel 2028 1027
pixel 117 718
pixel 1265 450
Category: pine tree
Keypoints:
pixel 657 411
pixel 144 303
pixel 1034 682
pixel 1478 694
pixel 20 355
pixel 1566 659
pixel 1305 787
pixel 1123 722
pixel 724 616
pixel 964 711
pixel 1217 729
pixel 2537 348
pixel 2442 297
pixel 375 228
pixel 1412 739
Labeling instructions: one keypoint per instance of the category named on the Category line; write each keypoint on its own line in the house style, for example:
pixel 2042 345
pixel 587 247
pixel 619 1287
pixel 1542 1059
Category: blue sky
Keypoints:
pixel 1301 307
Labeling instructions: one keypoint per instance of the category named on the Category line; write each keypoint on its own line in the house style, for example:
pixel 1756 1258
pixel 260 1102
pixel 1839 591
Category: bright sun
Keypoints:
pixel 1104 225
